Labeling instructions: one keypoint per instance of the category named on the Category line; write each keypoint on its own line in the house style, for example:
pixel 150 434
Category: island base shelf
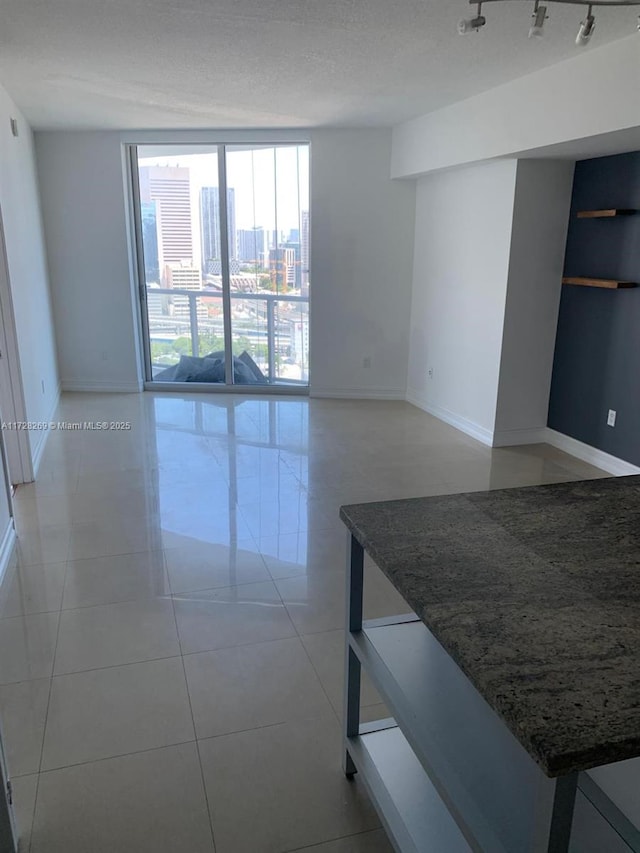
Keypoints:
pixel 408 804
pixel 427 769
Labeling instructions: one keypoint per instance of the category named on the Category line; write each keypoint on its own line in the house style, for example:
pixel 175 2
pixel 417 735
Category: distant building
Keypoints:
pixel 214 267
pixel 297 264
pixel 184 276
pixel 170 188
pixel 282 269
pixel 157 303
pixel 149 219
pixel 304 251
pixel 245 283
pixel 251 246
pixel 300 343
pixel 210 226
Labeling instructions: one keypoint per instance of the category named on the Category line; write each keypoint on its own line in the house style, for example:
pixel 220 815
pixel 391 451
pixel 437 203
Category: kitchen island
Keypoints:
pixel 519 671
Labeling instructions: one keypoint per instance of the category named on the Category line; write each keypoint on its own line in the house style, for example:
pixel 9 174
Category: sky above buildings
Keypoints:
pixel 271 184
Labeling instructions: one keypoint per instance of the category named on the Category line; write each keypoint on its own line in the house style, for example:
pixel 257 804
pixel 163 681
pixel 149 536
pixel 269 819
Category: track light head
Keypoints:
pixel 471 25
pixel 536 30
pixel 586 30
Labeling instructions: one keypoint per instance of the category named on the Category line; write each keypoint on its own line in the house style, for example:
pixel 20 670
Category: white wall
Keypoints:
pixel 361 265
pixel 593 93
pixel 538 241
pixel 7 530
pixel 489 253
pixel 27 270
pixel 361 258
pixel 83 203
pixel 462 246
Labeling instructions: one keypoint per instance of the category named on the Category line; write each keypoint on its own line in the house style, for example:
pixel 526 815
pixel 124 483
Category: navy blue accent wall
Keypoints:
pixel 597 356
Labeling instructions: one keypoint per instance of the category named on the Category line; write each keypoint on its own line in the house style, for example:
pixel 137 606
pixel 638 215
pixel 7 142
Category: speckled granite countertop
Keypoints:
pixel 535 593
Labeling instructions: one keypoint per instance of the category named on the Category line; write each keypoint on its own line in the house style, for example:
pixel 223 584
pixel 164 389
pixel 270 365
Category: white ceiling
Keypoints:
pixel 267 63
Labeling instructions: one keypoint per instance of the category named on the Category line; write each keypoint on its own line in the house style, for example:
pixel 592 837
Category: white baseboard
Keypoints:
pixel 7 546
pixel 514 437
pixel 358 393
pixel 542 435
pixel 102 386
pixel 463 424
pixel 611 464
pixel 38 451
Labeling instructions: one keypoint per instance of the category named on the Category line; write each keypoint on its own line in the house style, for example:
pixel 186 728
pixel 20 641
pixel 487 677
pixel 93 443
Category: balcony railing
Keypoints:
pixel 273 327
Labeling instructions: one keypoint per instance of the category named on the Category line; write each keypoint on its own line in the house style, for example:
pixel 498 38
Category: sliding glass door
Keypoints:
pixel 223 246
pixel 269 281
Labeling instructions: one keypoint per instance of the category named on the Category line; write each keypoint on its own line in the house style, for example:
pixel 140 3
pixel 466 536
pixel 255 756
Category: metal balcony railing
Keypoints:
pixel 265 323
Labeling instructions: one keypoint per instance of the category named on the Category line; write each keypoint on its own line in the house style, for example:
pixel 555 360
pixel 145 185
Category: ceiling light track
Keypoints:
pixel 539 16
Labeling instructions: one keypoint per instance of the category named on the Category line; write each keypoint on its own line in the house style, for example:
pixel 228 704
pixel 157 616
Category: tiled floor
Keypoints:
pixel 171 638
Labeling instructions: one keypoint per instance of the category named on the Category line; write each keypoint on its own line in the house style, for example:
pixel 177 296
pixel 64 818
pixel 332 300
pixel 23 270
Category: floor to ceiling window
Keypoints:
pixel 222 310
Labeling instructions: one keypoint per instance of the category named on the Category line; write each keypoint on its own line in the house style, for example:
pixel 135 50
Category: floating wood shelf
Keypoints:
pixel 605 214
pixel 609 283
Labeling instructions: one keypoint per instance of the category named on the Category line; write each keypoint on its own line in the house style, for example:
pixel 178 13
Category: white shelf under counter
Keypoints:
pixel 411 809
pixel 488 783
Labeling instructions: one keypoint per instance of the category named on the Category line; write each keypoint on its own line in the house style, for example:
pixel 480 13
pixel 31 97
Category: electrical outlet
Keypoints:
pixel 366 362
pixel 430 372
pixel 43 386
pixel 611 418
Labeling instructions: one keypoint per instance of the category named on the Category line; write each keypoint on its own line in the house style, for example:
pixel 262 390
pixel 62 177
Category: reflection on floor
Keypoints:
pixel 171 637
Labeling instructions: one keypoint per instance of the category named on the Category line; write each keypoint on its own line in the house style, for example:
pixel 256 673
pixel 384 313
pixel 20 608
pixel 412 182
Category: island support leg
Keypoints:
pixel 355 591
pixel 555 814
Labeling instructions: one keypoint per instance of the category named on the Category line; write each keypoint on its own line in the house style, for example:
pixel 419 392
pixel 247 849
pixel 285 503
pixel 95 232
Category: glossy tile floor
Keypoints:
pixel 171 636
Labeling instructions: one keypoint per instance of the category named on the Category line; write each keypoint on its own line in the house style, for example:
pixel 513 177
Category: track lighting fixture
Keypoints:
pixel 537 21
pixel 539 16
pixel 472 25
pixel 586 29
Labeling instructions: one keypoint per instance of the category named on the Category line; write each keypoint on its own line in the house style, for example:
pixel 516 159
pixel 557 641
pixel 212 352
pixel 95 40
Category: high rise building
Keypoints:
pixel 157 304
pixel 210 226
pixel 149 219
pixel 282 268
pixel 170 188
pixel 299 336
pixel 304 250
pixel 251 246
pixel 184 276
pixel 297 265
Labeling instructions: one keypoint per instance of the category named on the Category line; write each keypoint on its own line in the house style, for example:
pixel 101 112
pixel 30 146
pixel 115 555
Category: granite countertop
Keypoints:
pixel 535 593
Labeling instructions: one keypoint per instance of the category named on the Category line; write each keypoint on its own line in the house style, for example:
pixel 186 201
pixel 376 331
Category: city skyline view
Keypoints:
pixel 268 227
pixel 271 184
